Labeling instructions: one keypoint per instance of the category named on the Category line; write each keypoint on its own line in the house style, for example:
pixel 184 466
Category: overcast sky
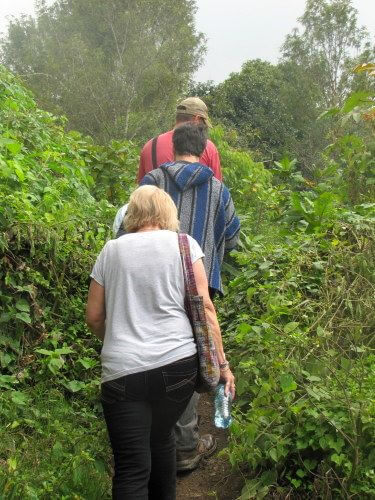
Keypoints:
pixel 237 30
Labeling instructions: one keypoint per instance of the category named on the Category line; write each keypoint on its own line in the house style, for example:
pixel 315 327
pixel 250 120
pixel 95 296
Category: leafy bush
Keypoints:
pixel 298 320
pixel 52 446
pixel 54 219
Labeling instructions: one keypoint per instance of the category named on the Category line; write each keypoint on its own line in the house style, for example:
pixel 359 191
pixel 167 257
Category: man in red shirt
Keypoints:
pixel 159 150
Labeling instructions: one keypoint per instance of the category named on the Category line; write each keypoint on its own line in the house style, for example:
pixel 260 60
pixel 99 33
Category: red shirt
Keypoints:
pixel 164 154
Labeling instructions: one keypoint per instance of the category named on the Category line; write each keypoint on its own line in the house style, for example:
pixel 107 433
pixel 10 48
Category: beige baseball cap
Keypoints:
pixel 194 106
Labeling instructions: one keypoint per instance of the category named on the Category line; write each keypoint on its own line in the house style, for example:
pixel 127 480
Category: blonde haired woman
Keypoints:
pixel 149 362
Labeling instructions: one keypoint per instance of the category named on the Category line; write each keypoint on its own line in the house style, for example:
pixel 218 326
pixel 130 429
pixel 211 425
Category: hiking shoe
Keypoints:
pixel 189 460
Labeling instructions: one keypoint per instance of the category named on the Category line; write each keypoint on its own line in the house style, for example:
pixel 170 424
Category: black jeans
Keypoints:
pixel 140 412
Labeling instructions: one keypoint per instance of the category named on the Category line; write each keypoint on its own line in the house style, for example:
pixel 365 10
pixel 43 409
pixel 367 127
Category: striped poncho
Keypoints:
pixel 205 210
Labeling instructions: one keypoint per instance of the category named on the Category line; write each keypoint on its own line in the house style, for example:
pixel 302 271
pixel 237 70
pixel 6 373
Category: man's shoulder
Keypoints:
pixel 161 137
pixel 166 135
pixel 220 188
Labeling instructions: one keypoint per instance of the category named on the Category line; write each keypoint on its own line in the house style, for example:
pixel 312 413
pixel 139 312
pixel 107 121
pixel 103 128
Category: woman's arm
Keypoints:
pixel 95 309
pixel 202 287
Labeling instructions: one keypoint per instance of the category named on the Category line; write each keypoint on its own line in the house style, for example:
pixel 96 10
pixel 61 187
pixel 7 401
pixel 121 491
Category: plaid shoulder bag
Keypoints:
pixel 208 371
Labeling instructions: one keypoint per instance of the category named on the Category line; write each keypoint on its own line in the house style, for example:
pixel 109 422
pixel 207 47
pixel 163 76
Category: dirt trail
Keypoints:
pixel 213 479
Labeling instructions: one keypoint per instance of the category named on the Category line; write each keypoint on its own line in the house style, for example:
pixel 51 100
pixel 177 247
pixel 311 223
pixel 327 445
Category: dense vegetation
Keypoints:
pixel 114 68
pixel 51 227
pixel 299 322
pixel 298 315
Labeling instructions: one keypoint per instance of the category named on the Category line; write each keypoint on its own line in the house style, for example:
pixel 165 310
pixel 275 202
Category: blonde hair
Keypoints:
pixel 150 205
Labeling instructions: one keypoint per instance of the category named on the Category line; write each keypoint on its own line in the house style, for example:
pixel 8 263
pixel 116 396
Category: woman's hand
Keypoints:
pixel 95 309
pixel 227 378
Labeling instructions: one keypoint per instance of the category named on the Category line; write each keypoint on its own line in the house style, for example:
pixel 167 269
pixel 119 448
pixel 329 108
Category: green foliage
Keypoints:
pixel 47 213
pixel 52 448
pixel 53 222
pixel 317 68
pixel 298 316
pixel 325 47
pixel 251 102
pixel 249 181
pixel 349 165
pixel 114 68
pixel 298 321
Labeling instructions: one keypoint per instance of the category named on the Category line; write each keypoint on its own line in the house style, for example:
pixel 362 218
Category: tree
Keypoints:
pixel 250 101
pixel 115 68
pixel 317 64
pixel 330 39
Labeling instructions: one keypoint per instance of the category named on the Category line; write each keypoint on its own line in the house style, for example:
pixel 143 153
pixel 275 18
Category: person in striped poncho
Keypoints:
pixel 204 204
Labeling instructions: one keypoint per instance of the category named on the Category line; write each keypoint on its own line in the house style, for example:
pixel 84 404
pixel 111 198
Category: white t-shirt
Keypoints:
pixel 146 323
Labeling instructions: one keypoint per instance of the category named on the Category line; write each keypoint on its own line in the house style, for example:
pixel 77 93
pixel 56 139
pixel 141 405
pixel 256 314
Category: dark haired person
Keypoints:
pixel 206 212
pixel 159 150
pixel 204 204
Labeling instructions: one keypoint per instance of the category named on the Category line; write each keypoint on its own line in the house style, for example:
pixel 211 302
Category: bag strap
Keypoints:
pixel 187 266
pixel 153 152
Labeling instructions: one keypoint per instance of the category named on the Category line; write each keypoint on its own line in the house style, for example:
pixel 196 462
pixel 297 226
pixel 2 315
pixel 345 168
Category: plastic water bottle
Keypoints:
pixel 223 405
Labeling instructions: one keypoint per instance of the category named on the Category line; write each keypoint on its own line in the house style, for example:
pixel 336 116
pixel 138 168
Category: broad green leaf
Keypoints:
pixel 313 393
pixel 75 385
pixel 12 464
pixel 7 381
pixel 287 382
pixel 23 305
pixel 269 477
pixel 265 265
pixel 23 316
pixel 6 359
pixel 19 172
pixel 100 466
pixel 64 350
pixel 251 430
pixel 242 386
pixel 338 459
pixel 19 398
pixel 87 362
pixel 355 100
pixel 14 147
pixel 310 464
pixel 320 332
pixel 55 364
pixel 296 483
pixel 336 444
pixel 244 328
pixel 44 351
pixel 328 113
pixel 318 265
pixel 290 327
pixel 273 454
pixel 11 104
